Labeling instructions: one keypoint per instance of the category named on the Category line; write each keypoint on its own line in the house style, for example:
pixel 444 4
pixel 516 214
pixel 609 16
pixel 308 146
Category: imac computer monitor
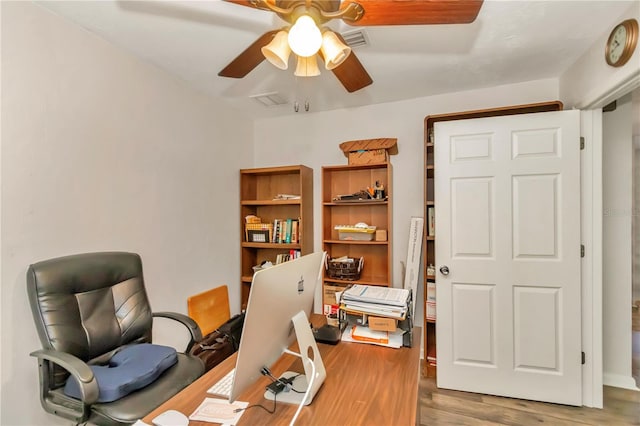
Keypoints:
pixel 280 302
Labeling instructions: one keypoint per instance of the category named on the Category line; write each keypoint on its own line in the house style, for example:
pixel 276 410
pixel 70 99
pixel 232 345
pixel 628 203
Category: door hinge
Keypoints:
pixel 581 142
pixel 581 250
pixel 584 358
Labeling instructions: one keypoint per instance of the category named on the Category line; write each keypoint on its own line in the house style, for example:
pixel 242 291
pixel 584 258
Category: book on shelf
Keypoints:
pixel 431 221
pixel 287 231
pixel 276 230
pixel 294 231
pixel 431 291
pixel 430 310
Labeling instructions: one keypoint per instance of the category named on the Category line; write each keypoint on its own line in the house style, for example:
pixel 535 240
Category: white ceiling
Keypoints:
pixel 510 41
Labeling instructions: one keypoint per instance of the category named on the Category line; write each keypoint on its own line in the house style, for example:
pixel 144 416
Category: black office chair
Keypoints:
pixel 87 308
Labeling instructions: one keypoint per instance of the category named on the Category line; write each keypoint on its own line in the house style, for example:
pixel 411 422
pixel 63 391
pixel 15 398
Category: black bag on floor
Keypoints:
pixel 214 348
pixel 233 329
pixel 218 345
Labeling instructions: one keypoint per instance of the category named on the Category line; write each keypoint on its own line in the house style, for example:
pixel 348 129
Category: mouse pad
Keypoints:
pixel 327 334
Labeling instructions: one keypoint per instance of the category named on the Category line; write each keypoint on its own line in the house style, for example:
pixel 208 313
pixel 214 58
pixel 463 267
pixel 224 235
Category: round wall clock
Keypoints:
pixel 621 43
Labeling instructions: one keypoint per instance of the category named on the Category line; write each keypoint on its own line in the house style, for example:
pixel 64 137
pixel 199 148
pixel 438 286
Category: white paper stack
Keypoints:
pixel 374 300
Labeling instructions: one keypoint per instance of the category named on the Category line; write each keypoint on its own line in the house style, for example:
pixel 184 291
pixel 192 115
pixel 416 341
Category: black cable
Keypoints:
pixel 289 381
pixel 237 410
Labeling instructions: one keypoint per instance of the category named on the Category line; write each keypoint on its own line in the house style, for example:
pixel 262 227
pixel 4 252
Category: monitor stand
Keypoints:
pixel 306 342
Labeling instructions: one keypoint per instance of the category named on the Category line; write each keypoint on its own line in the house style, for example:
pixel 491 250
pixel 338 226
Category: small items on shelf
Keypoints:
pixel 286 197
pixel 345 268
pixel 280 258
pixel 370 193
pixel 258 232
pixel 358 232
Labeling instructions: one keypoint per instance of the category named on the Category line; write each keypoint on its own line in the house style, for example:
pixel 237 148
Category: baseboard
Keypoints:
pixel 619 381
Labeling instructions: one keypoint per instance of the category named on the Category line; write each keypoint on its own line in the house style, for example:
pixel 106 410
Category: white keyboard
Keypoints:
pixel 223 386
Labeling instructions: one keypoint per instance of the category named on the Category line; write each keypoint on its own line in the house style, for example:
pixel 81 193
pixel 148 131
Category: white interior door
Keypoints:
pixel 507 195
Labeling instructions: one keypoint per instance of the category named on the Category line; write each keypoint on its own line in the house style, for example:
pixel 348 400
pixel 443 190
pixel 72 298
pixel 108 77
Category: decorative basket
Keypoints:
pixel 348 269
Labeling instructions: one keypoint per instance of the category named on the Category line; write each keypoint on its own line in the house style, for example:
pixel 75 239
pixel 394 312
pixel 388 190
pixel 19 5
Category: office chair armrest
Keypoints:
pixel 76 367
pixel 192 326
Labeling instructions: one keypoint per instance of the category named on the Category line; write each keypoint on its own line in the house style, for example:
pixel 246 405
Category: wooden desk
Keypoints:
pixel 365 384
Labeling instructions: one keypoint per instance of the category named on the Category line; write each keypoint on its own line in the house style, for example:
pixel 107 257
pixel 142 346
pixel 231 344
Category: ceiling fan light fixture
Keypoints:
pixel 334 51
pixel 277 51
pixel 305 37
pixel 307 67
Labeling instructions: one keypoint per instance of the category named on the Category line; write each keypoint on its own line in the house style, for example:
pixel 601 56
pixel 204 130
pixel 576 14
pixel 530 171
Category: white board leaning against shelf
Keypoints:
pixel 414 252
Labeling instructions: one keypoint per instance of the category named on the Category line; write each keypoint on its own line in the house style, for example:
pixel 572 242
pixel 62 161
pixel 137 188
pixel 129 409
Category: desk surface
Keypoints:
pixel 364 384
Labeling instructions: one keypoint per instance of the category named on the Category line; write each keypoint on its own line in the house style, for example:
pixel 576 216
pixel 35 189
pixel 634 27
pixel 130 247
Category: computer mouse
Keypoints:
pixel 171 418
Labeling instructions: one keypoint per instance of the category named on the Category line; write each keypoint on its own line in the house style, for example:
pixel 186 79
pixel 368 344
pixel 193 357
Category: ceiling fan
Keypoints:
pixel 276 45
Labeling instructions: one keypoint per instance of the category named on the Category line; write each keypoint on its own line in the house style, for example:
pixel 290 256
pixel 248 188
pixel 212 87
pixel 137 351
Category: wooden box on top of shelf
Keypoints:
pixel 346 180
pixel 259 191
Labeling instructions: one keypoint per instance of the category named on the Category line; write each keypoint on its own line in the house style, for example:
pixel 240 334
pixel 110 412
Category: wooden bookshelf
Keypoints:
pixel 258 191
pixel 349 179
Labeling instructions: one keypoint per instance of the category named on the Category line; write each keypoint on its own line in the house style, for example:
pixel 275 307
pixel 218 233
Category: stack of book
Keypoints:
pixel 286 231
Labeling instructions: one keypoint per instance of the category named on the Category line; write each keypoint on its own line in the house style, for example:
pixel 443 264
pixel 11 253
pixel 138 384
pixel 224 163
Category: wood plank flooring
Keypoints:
pixel 439 407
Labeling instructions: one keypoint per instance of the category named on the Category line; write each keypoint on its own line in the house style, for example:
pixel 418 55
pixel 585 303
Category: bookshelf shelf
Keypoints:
pixel 365 243
pixel 270 202
pixel 281 246
pixel 258 189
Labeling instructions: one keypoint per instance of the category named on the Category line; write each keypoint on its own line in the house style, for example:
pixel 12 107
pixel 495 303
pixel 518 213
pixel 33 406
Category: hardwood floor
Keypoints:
pixel 440 407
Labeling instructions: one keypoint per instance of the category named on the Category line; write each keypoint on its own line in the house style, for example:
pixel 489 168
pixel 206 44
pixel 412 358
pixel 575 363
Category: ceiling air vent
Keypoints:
pixel 270 99
pixel 355 38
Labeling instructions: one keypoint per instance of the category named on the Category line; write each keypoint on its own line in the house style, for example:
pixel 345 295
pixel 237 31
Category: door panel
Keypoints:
pixel 535 214
pixel 471 217
pixel 507 192
pixel 473 332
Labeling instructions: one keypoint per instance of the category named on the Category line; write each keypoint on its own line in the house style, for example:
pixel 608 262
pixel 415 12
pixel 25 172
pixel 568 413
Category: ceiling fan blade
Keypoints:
pixel 250 4
pixel 252 56
pixel 416 12
pixel 352 74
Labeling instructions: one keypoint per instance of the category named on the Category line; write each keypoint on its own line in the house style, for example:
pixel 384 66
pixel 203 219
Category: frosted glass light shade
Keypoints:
pixel 277 51
pixel 307 67
pixel 305 38
pixel 333 50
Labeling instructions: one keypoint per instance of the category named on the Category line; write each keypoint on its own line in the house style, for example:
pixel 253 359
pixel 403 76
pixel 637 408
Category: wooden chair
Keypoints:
pixel 210 309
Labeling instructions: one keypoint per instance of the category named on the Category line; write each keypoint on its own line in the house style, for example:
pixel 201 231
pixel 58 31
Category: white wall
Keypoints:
pixel 103 152
pixel 617 243
pixel 313 138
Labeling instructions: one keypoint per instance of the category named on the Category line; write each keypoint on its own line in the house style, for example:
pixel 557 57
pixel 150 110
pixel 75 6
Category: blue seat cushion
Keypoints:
pixel 132 368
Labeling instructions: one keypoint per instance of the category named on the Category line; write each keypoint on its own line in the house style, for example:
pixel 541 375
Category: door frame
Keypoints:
pixel 591 267
pixel 592 219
